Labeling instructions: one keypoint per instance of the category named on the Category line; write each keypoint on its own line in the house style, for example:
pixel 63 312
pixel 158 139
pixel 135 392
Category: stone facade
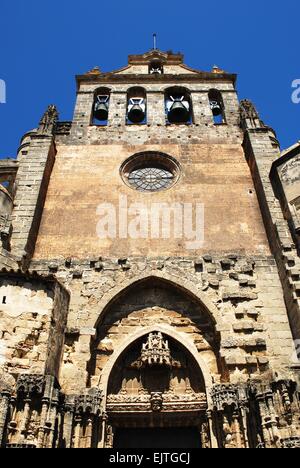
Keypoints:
pixel 101 336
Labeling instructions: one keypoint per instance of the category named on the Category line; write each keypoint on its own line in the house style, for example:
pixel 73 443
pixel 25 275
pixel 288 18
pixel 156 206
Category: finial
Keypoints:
pixel 217 69
pixel 154 41
pixel 48 121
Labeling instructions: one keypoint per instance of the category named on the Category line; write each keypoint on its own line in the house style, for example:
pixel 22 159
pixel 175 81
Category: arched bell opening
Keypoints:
pixel 156 391
pixel 217 106
pixel 178 103
pixel 101 106
pixel 136 106
pixel 156 67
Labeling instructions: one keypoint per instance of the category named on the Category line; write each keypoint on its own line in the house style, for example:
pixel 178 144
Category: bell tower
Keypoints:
pixel 154 89
pixel 149 280
pixel 155 132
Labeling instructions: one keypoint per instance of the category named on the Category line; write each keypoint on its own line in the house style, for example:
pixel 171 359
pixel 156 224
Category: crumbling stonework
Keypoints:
pixel 101 336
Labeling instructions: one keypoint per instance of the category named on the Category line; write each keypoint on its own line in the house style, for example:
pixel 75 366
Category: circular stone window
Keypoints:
pixel 150 172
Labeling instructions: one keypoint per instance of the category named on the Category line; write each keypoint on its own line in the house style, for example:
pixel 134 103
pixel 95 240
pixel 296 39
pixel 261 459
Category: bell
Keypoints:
pixel 101 111
pixel 101 108
pixel 178 112
pixel 136 114
pixel 216 108
pixel 136 110
pixel 155 71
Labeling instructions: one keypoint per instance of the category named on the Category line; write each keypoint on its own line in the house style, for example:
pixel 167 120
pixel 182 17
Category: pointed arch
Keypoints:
pixel 183 285
pixel 167 330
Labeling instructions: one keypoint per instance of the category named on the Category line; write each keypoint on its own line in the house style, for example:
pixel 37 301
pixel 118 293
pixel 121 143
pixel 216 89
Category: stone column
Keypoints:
pixel 244 425
pixel 89 431
pixel 264 414
pixel 4 408
pixel 24 420
pixel 52 421
pixel 43 420
pixel 68 423
pixel 77 432
pixel 12 426
pixel 213 439
pixel 103 422
pixel 237 429
pixel 273 420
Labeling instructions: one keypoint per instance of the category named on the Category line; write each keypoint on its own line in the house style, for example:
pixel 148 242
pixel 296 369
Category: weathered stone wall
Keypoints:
pixel 213 173
pixel 32 325
pixel 26 310
pixel 84 177
pixel 86 300
pixel 290 178
pixel 262 154
pixel 156 130
pixel 36 160
pixel 241 295
pixel 57 331
pixel 285 176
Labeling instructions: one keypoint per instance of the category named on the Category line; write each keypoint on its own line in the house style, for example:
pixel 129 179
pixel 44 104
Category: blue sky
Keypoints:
pixel 44 44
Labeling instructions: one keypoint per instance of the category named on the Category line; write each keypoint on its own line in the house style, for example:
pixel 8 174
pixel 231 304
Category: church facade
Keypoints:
pixel 149 269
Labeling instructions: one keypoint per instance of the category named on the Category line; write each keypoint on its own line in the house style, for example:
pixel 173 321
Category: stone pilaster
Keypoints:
pixel 4 408
pixel 35 166
pixel 82 115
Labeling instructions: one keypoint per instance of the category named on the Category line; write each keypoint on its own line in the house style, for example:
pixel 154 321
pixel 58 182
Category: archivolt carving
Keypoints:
pixel 187 319
pixel 184 286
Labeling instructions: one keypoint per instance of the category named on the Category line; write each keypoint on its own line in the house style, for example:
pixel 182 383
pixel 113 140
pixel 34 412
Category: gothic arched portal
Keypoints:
pixel 155 389
pixel 172 388
pixel 155 301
